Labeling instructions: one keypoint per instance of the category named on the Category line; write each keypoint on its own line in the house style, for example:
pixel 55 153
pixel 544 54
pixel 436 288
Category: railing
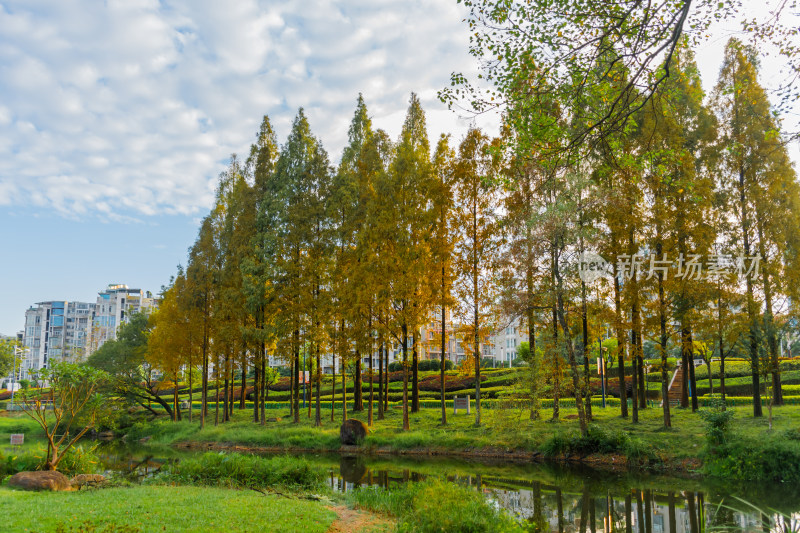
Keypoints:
pixel 11 406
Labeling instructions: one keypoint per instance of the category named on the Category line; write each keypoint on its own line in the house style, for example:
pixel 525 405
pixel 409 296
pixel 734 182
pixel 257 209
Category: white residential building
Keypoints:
pixel 114 307
pixel 56 331
pixel 505 341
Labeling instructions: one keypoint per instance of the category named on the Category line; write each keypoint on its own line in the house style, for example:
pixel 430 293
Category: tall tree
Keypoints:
pixel 404 221
pixel 301 172
pixel 442 243
pixel 750 138
pixel 476 253
pixel 258 276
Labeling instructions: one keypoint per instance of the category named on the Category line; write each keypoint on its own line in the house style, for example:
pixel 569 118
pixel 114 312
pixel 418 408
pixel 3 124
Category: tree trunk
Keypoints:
pixel 587 385
pixel 242 397
pixel 175 408
pixel 333 384
pixel 721 340
pixel 204 384
pixel 318 385
pixel 344 384
pixel 442 358
pixel 386 384
pixel 381 348
pixel 358 393
pixel 618 326
pixel 769 322
pixel 264 388
pixel 556 368
pixel 692 378
pixel 371 376
pixel 662 323
pixel 257 392
pixel 534 366
pixel 414 373
pixel 406 425
pixel 216 390
pixel 634 375
pixel 191 395
pixel 751 306
pixel 226 387
pixel 573 363
pixel 296 378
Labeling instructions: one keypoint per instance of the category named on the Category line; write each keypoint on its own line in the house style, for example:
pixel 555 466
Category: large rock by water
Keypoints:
pixel 40 480
pixel 352 431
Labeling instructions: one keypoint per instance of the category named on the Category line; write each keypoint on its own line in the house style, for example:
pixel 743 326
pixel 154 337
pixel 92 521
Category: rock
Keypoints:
pixel 352 431
pixel 274 419
pixel 143 440
pixel 40 480
pixel 87 480
pixel 105 435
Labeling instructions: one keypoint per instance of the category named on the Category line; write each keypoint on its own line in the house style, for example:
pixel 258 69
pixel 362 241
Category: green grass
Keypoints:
pixel 160 508
pixel 434 506
pixel 502 429
pixel 17 422
pixel 247 471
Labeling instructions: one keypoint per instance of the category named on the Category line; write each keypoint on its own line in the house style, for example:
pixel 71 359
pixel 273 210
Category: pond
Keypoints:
pixel 548 496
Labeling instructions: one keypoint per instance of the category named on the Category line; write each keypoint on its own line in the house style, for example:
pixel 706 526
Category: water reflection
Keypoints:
pixel 551 497
pixel 577 505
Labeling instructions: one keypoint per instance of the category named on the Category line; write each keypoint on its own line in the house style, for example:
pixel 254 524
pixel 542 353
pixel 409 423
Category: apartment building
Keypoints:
pixel 56 331
pixel 506 339
pixel 115 305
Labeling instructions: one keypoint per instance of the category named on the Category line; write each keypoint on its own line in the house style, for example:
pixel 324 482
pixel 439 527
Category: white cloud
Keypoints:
pixel 130 106
pixel 134 106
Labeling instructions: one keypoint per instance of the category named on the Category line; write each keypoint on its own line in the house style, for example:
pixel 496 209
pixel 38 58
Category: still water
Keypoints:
pixel 552 497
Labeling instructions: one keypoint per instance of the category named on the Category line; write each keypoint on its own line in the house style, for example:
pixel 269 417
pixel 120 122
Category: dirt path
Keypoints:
pixel 351 521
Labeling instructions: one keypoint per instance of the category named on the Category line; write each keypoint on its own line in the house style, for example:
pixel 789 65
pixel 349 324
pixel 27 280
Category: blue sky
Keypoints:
pixel 117 117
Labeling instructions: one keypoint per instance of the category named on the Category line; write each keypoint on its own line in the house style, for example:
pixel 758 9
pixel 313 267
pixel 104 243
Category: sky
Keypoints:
pixel 117 117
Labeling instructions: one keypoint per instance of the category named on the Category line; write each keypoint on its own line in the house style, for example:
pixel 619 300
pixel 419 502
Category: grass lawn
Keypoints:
pixel 508 429
pixel 159 508
pixel 16 422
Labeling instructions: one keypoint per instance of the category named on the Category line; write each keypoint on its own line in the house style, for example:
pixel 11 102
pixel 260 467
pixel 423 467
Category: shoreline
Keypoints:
pixel 685 468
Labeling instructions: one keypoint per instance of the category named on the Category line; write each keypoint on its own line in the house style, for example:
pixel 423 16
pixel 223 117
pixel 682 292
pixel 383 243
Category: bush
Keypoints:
pixel 426 365
pixel 250 471
pixel 598 440
pixel 435 506
pixel 766 459
pixel 718 421
pixel 78 460
pixel 451 383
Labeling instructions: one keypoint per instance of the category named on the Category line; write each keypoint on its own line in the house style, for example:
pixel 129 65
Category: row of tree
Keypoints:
pixel 352 260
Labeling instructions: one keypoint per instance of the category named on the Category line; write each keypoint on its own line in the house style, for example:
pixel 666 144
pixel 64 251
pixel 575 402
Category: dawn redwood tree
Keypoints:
pixel 478 244
pixel 404 218
pixel 678 136
pixel 258 275
pixel 301 173
pixel 745 127
pixel 201 273
pixel 168 343
pixel 442 244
